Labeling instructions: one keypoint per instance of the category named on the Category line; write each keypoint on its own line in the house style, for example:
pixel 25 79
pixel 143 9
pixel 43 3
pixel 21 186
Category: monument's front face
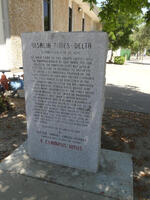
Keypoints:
pixel 64 88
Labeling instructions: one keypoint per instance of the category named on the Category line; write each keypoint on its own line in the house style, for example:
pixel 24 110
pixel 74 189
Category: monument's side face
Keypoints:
pixel 64 90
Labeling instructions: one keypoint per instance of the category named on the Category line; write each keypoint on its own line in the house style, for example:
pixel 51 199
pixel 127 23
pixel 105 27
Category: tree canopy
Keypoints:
pixel 119 27
pixel 120 18
pixel 127 6
pixel 141 39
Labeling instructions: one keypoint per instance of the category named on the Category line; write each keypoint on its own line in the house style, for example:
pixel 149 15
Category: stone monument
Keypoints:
pixel 64 89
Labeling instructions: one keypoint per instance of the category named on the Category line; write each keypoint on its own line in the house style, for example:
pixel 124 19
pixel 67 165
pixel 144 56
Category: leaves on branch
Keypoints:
pixel 120 19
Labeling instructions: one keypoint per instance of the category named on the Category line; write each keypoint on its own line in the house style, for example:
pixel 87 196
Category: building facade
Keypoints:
pixel 18 16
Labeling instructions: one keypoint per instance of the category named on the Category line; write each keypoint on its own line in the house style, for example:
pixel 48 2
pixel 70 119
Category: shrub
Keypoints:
pixel 4 104
pixel 119 60
pixel 148 52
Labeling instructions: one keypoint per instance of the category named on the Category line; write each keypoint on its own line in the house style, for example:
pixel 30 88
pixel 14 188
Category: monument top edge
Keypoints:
pixel 66 33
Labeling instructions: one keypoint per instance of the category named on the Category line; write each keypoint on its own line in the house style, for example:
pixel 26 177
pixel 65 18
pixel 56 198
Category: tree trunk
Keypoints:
pixel 110 61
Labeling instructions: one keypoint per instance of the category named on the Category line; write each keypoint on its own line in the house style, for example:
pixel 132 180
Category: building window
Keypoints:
pixel 47 15
pixel 83 24
pixel 70 19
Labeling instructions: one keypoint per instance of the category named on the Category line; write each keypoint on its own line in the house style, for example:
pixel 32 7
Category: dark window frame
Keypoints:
pixel 83 24
pixel 47 14
pixel 70 20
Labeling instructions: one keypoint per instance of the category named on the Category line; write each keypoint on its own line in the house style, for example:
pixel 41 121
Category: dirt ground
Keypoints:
pixel 12 127
pixel 121 131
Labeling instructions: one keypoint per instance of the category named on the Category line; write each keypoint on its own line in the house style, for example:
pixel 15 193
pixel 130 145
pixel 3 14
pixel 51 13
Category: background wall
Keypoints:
pixel 60 15
pixel 2 41
pixel 77 17
pixel 24 16
pixel 88 23
pixel 5 55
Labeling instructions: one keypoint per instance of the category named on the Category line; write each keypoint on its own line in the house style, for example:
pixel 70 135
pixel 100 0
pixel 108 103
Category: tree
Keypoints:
pixel 127 6
pixel 119 23
pixel 147 16
pixel 119 27
pixel 120 19
pixel 141 40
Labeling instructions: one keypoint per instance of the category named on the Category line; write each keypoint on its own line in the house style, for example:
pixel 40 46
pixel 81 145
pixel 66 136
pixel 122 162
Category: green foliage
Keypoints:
pixel 119 60
pixel 148 52
pixel 120 18
pixel 141 39
pixel 119 25
pixel 91 2
pixel 109 7
pixel 4 104
pixel 147 17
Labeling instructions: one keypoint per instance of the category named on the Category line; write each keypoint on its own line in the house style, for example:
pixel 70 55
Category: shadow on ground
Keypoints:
pixel 12 128
pixel 127 98
pixel 140 63
pixel 19 187
pixel 130 132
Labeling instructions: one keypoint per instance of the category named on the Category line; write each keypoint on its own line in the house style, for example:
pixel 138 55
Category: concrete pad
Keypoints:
pixel 19 187
pixel 113 180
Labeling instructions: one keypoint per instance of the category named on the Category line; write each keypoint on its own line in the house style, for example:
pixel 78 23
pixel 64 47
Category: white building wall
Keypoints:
pixel 115 53
pixel 5 56
pixel 2 40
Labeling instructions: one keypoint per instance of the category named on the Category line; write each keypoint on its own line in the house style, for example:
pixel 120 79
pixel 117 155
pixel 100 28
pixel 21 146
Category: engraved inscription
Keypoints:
pixel 62 88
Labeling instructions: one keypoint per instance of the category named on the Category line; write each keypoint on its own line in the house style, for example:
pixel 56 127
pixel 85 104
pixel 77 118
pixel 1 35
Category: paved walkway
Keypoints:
pixel 128 86
pixel 19 187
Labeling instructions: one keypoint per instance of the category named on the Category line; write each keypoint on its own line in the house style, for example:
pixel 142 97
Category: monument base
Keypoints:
pixel 114 178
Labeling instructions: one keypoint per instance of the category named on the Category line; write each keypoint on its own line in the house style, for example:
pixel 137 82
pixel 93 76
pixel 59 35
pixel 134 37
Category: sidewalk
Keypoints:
pixel 128 86
pixel 19 187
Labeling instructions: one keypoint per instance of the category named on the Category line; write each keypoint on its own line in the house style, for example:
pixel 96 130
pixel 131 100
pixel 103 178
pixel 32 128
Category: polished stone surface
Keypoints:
pixel 64 76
